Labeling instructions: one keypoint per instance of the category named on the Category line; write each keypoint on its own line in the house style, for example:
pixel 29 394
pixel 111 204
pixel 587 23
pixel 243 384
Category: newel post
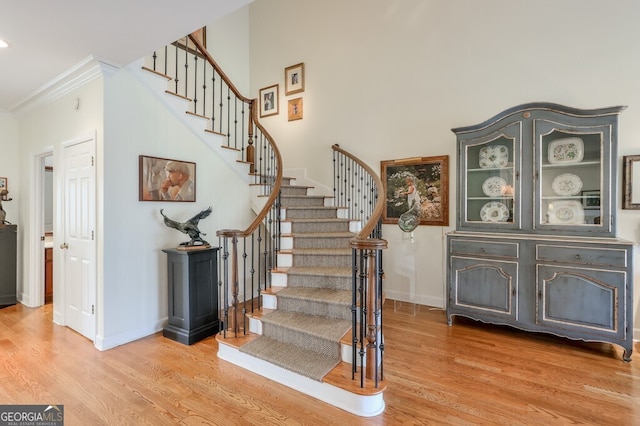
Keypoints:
pixel 250 145
pixel 235 288
pixel 371 303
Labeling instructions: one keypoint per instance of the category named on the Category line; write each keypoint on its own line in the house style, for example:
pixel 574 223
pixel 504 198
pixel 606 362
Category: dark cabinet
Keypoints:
pixel 193 295
pixel 8 234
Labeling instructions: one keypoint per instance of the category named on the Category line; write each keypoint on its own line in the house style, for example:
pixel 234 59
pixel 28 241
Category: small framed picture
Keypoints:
pixel 163 179
pixel 4 183
pixel 269 101
pixel 591 199
pixel 295 109
pixel 294 79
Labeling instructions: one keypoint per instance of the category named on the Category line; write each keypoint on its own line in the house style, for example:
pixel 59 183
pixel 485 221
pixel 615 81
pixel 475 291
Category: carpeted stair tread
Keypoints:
pixel 320 271
pixel 322 251
pixel 337 278
pixel 345 234
pixel 321 327
pixel 317 294
pixel 291 357
pixel 320 302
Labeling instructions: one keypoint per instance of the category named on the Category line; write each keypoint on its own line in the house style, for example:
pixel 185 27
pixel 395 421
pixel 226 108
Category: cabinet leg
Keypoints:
pixel 627 354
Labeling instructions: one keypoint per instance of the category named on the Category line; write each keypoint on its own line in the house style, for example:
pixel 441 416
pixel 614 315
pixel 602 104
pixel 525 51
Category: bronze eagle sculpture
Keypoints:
pixel 190 227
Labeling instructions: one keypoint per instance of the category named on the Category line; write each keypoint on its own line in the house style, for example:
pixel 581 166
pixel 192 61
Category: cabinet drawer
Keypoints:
pixel 581 255
pixel 484 248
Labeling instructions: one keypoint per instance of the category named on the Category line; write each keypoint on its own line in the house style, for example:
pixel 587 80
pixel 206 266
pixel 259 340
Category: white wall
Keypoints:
pixel 388 79
pixel 43 129
pixel 228 44
pixel 134 280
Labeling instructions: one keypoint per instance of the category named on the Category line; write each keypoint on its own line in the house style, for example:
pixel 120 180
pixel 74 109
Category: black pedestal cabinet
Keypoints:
pixel 193 295
pixel 8 264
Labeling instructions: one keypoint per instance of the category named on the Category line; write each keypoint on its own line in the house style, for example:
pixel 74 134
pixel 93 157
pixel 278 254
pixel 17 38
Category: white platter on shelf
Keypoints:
pixel 494 212
pixel 569 212
pixel 493 157
pixel 494 186
pixel 566 184
pixel 566 151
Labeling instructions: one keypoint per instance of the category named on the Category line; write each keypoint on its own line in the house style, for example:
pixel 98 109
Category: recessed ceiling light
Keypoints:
pixel 3 44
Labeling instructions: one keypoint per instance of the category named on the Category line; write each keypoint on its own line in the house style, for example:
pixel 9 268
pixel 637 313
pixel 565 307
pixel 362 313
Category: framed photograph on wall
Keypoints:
pixel 4 183
pixel 162 179
pixel 294 79
pixel 269 103
pixel 422 180
pixel 295 109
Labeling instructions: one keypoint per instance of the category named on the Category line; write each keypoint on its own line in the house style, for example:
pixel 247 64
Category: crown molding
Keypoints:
pixel 82 73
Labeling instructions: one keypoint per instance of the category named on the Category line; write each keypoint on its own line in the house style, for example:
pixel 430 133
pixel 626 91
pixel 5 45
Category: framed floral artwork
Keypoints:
pixel 420 184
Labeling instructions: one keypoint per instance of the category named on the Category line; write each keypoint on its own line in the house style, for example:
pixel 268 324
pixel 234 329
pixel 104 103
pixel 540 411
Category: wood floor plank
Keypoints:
pixel 466 374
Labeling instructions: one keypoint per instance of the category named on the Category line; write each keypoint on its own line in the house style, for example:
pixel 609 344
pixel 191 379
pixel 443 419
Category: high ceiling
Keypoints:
pixel 49 37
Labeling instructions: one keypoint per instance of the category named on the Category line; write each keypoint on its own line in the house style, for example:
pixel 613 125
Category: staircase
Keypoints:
pixel 303 332
pixel 297 258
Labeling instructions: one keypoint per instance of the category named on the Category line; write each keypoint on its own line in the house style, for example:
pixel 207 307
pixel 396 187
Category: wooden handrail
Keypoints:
pixel 200 48
pixel 253 121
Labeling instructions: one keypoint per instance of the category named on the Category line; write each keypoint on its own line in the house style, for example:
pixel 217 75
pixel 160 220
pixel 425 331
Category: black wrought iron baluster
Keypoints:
pixel 244 285
pixel 380 335
pixel 221 106
pixel 186 68
pixel 176 64
pixel 229 117
pixel 166 59
pixel 195 83
pixel 243 129
pixel 235 125
pixel 204 88
pixel 354 312
pixel 213 100
pixel 252 271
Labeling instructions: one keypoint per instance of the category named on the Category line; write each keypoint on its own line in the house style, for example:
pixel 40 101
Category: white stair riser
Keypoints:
pixel 285 260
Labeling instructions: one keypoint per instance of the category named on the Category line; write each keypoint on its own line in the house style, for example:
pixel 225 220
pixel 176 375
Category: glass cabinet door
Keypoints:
pixel 490 181
pixel 573 166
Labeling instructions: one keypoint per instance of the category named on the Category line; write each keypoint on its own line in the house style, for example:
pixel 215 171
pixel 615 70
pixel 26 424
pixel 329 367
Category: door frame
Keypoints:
pixel 35 295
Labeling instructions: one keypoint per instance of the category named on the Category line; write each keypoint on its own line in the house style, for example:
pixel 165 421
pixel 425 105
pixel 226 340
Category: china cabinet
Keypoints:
pixel 535 245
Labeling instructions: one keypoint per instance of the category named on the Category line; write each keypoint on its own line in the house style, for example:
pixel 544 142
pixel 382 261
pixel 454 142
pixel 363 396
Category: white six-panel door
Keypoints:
pixel 79 245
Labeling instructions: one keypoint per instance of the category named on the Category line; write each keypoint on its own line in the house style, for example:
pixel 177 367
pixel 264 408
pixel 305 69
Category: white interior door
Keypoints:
pixel 79 246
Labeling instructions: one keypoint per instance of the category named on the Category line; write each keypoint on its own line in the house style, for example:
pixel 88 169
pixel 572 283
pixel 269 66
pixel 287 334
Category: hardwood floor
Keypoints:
pixel 470 373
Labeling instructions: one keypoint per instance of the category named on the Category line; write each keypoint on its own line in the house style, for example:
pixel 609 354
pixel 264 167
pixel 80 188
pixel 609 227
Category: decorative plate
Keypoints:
pixel 566 150
pixel 566 212
pixel 494 186
pixel 494 212
pixel 492 157
pixel 566 184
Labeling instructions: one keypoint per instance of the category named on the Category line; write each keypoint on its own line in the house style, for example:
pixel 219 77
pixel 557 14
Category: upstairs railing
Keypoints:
pixel 357 187
pixel 246 256
pixel 194 75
